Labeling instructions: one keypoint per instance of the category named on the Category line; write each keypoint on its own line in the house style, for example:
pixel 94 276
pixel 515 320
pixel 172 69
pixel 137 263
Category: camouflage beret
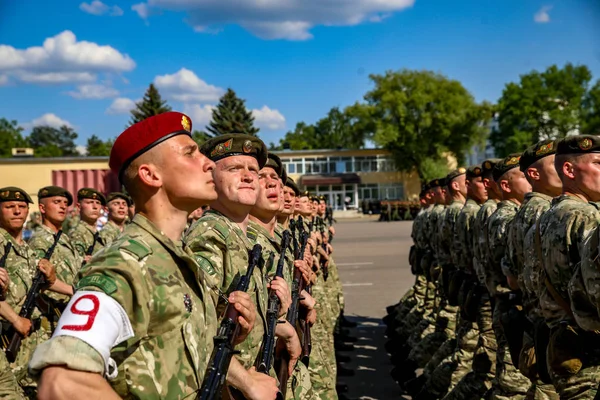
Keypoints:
pixel 455 174
pixel 474 171
pixel 274 162
pixel 53 191
pixel 11 193
pixel 118 195
pixel 89 193
pixel 488 165
pixel 579 144
pixel 235 144
pixel 291 184
pixel 537 152
pixel 508 163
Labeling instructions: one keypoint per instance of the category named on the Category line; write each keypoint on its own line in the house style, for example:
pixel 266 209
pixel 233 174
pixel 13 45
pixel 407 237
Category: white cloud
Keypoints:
pixel 141 9
pixel 200 115
pixel 3 80
pixel 82 150
pixel 93 91
pixel 97 7
pixel 121 105
pixel 276 19
pixel 267 118
pixel 186 87
pixel 542 16
pixel 48 119
pixel 62 59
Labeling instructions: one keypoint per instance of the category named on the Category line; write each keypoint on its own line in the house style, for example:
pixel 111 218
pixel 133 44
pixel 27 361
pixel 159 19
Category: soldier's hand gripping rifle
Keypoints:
pixel 226 338
pixel 90 250
pixel 3 264
pixel 29 305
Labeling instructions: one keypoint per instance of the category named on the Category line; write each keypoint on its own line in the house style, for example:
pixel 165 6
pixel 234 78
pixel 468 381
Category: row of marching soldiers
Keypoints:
pixel 240 300
pixel 507 293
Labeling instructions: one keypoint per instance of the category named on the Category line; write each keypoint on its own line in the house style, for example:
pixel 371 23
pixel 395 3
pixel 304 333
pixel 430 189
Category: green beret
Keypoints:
pixel 508 163
pixel 579 144
pixel 306 193
pixel 235 144
pixel 474 171
pixel 455 174
pixel 119 195
pixel 11 193
pixel 322 198
pixel 488 165
pixel 274 162
pixel 314 198
pixel 437 182
pixel 89 193
pixel 537 152
pixel 291 184
pixel 53 191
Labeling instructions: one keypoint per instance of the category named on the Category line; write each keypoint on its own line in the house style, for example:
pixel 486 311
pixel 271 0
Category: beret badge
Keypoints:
pixel 18 195
pixel 461 170
pixel 547 148
pixel 247 147
pixel 513 161
pixel 185 123
pixel 44 192
pixel 487 165
pixel 585 144
pixel 221 148
pixel 477 171
pixel 5 194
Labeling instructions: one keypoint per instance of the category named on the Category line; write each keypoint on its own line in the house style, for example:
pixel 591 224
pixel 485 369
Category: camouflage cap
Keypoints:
pixel 507 163
pixel 235 144
pixel 455 174
pixel 274 162
pixel 579 144
pixel 53 191
pixel 90 193
pixel 118 195
pixel 474 171
pixel 12 193
pixel 289 182
pixel 537 152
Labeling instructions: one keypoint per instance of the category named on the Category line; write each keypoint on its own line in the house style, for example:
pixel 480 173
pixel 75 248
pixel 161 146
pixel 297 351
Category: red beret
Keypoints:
pixel 141 137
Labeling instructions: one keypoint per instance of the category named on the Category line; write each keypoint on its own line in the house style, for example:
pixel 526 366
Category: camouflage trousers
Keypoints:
pixel 299 385
pixel 9 388
pixel 435 334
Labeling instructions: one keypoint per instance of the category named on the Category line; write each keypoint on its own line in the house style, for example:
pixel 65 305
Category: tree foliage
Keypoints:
pixel 199 137
pixel 231 116
pixel 10 137
pixel 97 147
pixel 52 142
pixel 591 111
pixel 545 105
pixel 152 104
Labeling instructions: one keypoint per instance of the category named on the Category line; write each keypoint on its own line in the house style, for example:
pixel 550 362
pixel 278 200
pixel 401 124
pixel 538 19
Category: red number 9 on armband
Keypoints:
pixel 90 314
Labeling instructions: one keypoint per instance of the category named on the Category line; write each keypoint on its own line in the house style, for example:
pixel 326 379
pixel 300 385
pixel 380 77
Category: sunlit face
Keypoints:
pixel 236 179
pixel 117 210
pixel 314 207
pixel 322 207
pixel 90 209
pixel 515 183
pixel 269 190
pixel 476 190
pixel 54 209
pixel 548 173
pixel 586 171
pixel 289 200
pixel 13 215
pixel 304 206
pixel 438 195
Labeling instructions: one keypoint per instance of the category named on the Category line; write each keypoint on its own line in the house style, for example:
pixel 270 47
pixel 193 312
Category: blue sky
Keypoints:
pixel 292 60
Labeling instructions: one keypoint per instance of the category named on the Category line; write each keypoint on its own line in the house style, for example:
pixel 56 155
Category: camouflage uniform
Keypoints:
pixel 109 232
pixel 82 237
pixel 173 317
pixel 508 382
pixel 572 351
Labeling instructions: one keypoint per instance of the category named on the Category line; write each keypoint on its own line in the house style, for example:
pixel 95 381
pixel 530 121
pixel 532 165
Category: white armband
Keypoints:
pixel 97 319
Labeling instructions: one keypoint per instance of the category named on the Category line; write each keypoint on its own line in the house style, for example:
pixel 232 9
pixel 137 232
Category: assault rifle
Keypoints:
pixel 90 250
pixel 324 265
pixel 302 316
pixel 3 264
pixel 29 305
pixel 226 338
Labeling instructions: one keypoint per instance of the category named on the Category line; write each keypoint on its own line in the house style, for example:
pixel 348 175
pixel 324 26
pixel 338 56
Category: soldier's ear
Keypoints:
pixel 568 169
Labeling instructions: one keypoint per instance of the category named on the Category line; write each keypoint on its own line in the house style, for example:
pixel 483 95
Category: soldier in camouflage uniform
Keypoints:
pixel 84 235
pixel 53 205
pixel 142 321
pixel 508 381
pixel 537 163
pixel 117 204
pixel 22 266
pixel 35 223
pixel 573 357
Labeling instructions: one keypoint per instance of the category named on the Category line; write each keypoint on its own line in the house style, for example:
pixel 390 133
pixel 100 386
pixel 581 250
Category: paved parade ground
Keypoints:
pixel 373 261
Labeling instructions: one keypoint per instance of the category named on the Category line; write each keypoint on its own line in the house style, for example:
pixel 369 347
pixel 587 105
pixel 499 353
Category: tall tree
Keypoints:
pixel 51 142
pixel 420 116
pixel 301 138
pixel 97 147
pixel 542 105
pixel 11 135
pixel 231 116
pixel 152 104
pixel 200 137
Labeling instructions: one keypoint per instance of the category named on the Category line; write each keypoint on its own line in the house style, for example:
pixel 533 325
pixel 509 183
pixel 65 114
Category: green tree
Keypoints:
pixel 231 116
pixel 51 142
pixel 152 104
pixel 97 147
pixel 420 116
pixel 591 117
pixel 542 105
pixel 11 135
pixel 200 137
pixel 301 138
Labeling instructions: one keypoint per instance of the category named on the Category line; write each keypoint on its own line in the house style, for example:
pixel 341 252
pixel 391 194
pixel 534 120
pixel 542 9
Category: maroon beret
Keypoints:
pixel 141 137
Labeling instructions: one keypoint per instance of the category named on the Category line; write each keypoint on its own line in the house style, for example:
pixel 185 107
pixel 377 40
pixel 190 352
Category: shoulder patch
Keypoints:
pixel 136 247
pixel 205 265
pixel 252 235
pixel 104 283
pixel 221 230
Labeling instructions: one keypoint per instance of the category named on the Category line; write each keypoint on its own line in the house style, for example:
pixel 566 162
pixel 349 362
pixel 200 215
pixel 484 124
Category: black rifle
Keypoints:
pixel 324 265
pixel 226 337
pixel 29 305
pixel 3 264
pixel 90 249
pixel 302 316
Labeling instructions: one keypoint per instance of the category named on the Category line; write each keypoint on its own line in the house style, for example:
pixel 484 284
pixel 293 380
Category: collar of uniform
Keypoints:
pixel 50 231
pixel 235 227
pixel 144 223
pixel 544 196
pixel 471 202
pixel 508 203
pixel 565 197
pixel 261 230
pixel 17 248
pixel 458 201
pixel 87 226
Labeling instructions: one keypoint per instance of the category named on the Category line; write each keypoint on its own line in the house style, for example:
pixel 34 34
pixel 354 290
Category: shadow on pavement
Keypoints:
pixel 370 362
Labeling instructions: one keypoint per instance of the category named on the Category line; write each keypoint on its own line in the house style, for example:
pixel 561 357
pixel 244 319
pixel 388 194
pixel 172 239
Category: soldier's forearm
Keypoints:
pixel 62 288
pixel 7 312
pixel 59 383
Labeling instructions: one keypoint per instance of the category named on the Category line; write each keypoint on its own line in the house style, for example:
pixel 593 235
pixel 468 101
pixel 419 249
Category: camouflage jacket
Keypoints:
pixel 65 259
pixel 171 313
pixel 480 243
pixel 463 236
pixel 443 242
pixel 109 232
pixel 21 266
pixel 584 286
pixel 221 249
pixel 497 226
pixel 419 228
pixel 563 230
pixel 270 245
pixel 448 230
pixel 432 231
pixel 82 237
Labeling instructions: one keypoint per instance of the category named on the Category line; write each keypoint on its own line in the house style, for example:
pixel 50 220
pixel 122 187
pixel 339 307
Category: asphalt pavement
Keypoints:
pixel 372 258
